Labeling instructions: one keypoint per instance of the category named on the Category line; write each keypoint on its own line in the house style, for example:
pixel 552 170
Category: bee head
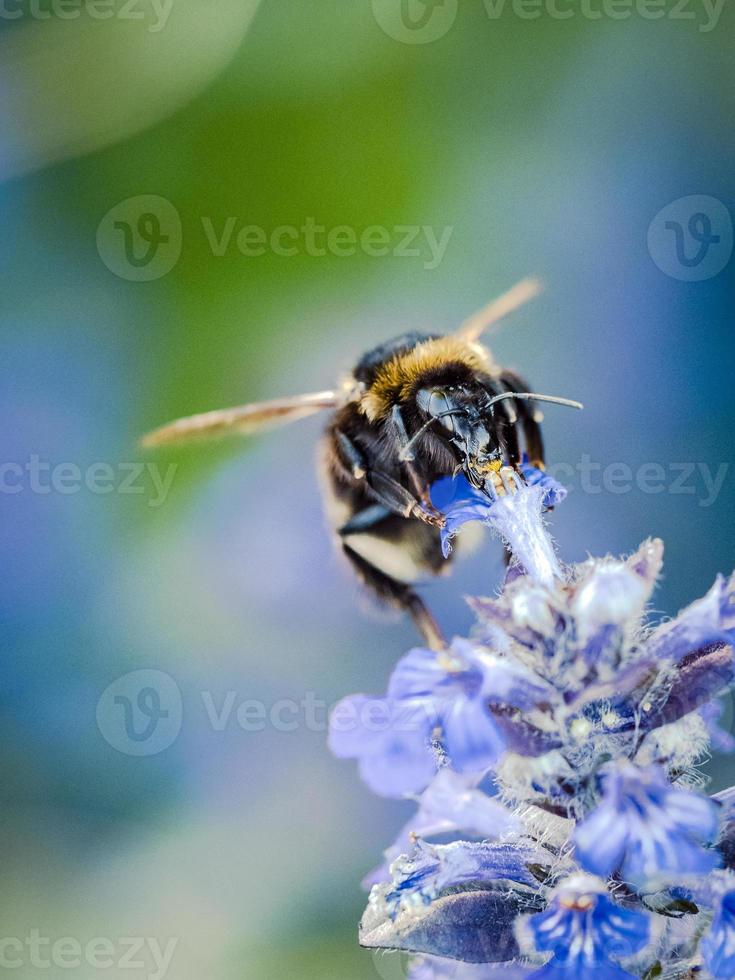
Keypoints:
pixel 461 416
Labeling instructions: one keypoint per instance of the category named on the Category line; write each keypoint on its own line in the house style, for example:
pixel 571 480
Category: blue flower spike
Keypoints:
pixel 553 757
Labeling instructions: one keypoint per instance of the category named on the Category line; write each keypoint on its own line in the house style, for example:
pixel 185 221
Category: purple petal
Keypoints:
pixel 432 868
pixel 347 735
pixel 707 621
pixel 718 946
pixel 453 802
pixel 405 767
pixel 391 739
pixel 645 828
pixel 418 674
pixel 450 804
pixel 554 492
pixel 711 713
pixel 460 502
pixel 473 926
pixel 694 814
pixel 471 737
pixel 702 676
pixel 517 518
pixel 519 734
pixel 725 801
pixel 600 841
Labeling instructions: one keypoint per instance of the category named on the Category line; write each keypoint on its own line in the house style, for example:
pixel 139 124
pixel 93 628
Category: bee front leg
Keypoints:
pixel 384 488
pixel 397 498
pixel 407 457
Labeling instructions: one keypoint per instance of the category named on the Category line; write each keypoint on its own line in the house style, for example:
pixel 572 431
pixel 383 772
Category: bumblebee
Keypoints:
pixel 413 409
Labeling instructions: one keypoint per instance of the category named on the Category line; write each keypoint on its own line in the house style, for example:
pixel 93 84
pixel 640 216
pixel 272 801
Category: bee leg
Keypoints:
pixel 400 595
pixel 529 416
pixel 391 494
pixel 403 440
pixel 353 457
pixel 425 622
pixel 387 491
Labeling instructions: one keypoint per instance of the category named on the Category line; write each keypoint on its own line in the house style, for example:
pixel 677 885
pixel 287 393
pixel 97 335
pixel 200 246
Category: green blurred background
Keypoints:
pixel 547 146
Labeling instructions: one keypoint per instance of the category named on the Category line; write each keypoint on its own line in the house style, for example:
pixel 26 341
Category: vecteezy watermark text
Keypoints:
pixel 704 481
pixel 157 11
pixel 425 21
pixel 141 239
pixel 38 952
pixel 142 714
pixel 42 477
pixel 342 241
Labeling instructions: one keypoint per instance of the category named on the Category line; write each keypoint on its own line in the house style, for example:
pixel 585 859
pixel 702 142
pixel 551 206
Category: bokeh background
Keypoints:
pixel 548 146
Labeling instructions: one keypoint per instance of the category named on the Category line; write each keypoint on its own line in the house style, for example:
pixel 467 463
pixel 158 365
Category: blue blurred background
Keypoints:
pixel 545 145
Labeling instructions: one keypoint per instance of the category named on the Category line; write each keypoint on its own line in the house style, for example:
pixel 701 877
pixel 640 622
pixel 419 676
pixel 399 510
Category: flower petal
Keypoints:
pixel 471 737
pixel 391 739
pixel 517 518
pixel 418 674
pixel 600 841
pixel 710 620
pixel 554 492
pixel 718 946
pixel 451 803
pixel 473 926
pixel 701 676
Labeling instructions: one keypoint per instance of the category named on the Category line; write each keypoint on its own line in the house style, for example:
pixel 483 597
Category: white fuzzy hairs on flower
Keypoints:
pixel 560 832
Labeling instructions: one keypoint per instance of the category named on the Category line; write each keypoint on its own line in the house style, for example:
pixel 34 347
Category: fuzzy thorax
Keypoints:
pixel 396 380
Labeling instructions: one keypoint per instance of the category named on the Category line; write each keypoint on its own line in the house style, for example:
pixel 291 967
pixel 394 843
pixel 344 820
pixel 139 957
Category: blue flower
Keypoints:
pixel 554 492
pixel 516 517
pixel 452 803
pixel 645 828
pixel 708 621
pixel 432 868
pixel 718 946
pixel 391 738
pixel 562 690
pixel 457 900
pixel 585 930
pixel 434 707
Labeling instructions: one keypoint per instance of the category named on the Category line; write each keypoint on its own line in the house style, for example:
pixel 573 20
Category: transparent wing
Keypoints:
pixel 524 291
pixel 243 420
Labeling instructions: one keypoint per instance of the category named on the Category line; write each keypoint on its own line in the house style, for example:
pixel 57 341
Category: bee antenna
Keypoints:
pixel 406 454
pixel 535 396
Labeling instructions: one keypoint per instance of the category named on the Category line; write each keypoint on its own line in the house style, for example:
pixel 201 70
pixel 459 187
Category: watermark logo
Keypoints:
pixel 691 239
pixel 141 712
pixel 140 238
pixel 415 21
